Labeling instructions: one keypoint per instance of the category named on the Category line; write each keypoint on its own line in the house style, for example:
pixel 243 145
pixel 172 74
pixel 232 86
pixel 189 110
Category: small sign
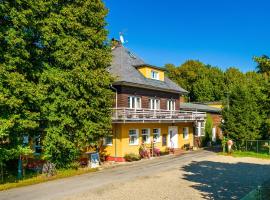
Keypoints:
pixel 94 158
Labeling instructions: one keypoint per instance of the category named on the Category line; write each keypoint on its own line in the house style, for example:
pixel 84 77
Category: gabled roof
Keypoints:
pixel 199 107
pixel 125 72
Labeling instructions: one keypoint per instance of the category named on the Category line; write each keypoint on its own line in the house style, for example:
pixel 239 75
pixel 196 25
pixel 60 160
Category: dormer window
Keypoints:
pixel 154 75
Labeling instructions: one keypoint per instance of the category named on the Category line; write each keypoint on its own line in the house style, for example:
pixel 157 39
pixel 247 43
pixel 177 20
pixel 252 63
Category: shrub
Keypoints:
pixel 132 157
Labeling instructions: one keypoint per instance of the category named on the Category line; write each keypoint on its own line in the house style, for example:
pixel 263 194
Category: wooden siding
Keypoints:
pixel 124 92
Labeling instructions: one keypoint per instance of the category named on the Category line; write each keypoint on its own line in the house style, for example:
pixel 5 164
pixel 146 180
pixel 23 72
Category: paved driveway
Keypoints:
pixel 195 175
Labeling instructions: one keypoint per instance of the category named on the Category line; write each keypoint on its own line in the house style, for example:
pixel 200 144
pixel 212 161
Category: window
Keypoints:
pixel 156 134
pixel 185 133
pixel 108 141
pixel 154 104
pixel 171 104
pixel 200 129
pixel 154 75
pixel 134 102
pixel 133 137
pixel 146 135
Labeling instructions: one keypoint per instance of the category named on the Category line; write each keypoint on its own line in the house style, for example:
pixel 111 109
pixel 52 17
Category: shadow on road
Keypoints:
pixel 225 180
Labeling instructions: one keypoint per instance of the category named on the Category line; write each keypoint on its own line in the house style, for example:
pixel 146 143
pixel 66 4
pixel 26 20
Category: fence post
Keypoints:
pixel 257 146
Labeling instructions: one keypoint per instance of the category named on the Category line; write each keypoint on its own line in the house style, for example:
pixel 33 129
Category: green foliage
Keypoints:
pixel 204 82
pixel 208 129
pixel 263 64
pixel 245 114
pixel 132 157
pixel 53 78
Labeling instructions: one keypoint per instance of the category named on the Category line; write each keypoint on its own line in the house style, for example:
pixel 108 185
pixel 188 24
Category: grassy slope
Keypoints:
pixel 247 154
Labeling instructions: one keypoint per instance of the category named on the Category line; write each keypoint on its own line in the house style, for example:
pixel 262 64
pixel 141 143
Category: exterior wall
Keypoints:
pixel 146 71
pixel 145 94
pixel 216 123
pixel 121 141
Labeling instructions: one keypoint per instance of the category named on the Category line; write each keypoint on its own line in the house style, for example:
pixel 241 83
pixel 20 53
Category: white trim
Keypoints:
pixel 133 102
pixel 159 134
pixel 154 75
pixel 171 104
pixel 148 134
pixel 171 143
pixel 137 137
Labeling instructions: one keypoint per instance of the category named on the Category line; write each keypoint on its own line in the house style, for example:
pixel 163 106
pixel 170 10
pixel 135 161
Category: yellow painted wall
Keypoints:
pixel 146 71
pixel 123 147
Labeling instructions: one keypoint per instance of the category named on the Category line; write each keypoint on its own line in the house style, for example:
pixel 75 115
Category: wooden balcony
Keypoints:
pixel 127 115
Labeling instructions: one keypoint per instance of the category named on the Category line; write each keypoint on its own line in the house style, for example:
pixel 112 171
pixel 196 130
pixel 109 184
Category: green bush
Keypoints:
pixel 132 157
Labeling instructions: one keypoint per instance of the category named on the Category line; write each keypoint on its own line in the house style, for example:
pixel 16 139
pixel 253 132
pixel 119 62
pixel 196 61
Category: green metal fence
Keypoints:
pixel 257 146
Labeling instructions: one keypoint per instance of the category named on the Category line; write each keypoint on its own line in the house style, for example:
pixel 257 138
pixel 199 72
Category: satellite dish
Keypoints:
pixel 122 38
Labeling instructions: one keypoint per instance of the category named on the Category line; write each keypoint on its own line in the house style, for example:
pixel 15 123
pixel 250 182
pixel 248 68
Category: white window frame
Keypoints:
pixel 185 133
pixel 134 102
pixel 154 104
pixel 106 141
pixel 154 75
pixel 171 104
pixel 136 134
pixel 158 134
pixel 202 129
pixel 146 134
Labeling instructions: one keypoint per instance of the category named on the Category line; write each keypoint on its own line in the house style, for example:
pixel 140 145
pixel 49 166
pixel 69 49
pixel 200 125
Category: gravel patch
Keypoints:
pixel 213 177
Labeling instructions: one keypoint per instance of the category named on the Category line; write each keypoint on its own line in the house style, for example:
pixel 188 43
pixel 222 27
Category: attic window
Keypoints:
pixel 131 55
pixel 154 75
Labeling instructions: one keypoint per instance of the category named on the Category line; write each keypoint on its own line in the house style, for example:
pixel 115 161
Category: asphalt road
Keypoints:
pixel 66 187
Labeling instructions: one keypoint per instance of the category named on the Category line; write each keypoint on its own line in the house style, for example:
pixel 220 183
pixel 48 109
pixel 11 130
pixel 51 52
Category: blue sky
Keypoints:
pixel 222 33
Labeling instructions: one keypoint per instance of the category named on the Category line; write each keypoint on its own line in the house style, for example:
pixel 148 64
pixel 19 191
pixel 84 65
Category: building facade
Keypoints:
pixel 214 112
pixel 146 109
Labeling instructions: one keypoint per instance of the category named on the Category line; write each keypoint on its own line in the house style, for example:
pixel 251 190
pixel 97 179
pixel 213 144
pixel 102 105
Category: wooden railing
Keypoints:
pixel 127 114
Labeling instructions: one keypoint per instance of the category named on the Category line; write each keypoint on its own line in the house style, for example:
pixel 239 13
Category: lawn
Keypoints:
pixel 43 178
pixel 247 154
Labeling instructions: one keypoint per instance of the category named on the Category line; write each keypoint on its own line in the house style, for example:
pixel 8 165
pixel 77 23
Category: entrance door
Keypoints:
pixel 173 137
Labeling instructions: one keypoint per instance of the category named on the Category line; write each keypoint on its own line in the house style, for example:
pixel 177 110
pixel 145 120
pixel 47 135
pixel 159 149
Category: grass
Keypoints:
pixel 43 178
pixel 247 154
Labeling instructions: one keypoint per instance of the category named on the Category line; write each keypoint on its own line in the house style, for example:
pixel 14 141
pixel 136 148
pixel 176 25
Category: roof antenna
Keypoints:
pixel 122 40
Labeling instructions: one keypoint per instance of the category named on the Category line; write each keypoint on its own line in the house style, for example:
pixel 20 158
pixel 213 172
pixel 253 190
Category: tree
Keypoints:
pixel 208 129
pixel 53 78
pixel 244 117
pixel 263 66
pixel 77 107
pixel 19 74
pixel 204 82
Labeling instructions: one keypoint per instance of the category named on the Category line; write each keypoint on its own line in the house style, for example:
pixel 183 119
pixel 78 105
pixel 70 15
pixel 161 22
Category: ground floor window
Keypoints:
pixel 108 141
pixel 133 137
pixel 200 129
pixel 185 133
pixel 156 134
pixel 146 135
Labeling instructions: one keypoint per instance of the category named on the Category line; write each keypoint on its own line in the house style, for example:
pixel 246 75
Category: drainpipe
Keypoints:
pixel 115 151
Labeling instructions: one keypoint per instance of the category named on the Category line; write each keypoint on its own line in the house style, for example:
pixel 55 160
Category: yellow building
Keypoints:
pixel 147 109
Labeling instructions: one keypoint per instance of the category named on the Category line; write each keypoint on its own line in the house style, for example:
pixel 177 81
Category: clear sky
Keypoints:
pixel 222 33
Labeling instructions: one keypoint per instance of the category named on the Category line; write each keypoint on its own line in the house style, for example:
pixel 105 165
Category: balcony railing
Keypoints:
pixel 147 115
